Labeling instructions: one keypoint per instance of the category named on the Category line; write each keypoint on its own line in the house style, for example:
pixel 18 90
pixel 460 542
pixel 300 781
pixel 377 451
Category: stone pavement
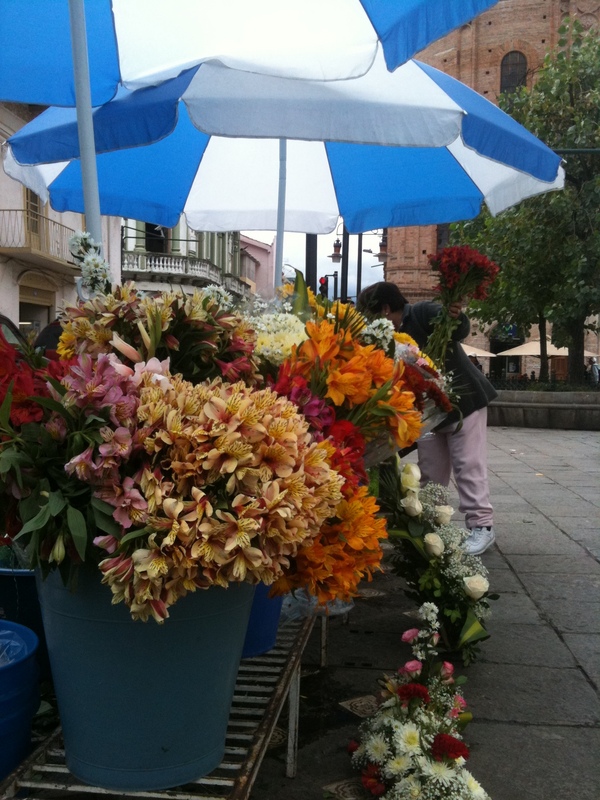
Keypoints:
pixel 534 690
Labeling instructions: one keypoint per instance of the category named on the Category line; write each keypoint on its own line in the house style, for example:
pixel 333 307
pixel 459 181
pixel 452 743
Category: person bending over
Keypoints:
pixel 455 446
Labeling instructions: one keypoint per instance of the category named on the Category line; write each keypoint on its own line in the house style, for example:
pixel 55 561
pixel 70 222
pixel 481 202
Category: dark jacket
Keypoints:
pixel 468 382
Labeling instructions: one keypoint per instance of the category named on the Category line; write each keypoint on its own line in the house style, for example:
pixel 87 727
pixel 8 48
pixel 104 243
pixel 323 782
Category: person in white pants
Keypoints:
pixel 459 444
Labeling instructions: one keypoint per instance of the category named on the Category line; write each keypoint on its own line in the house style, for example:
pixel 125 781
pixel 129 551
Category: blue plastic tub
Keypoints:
pixel 19 697
pixel 263 624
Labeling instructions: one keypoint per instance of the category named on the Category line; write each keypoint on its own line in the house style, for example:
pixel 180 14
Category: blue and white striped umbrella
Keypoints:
pixel 138 43
pixel 413 147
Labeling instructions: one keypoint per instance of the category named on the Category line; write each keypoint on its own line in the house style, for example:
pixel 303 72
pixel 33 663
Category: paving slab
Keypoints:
pixel 585 648
pixel 534 645
pixel 559 564
pixel 535 762
pixel 547 586
pixel 513 608
pixel 572 616
pixel 524 694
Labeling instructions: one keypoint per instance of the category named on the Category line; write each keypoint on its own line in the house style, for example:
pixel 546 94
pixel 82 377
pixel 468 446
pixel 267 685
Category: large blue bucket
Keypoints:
pixel 19 696
pixel 19 603
pixel 143 706
pixel 263 623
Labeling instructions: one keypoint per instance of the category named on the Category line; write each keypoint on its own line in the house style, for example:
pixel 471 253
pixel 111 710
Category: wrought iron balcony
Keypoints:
pixel 35 239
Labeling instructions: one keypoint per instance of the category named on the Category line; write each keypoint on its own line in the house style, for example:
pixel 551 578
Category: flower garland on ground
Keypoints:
pixel 463 274
pixel 428 554
pixel 413 747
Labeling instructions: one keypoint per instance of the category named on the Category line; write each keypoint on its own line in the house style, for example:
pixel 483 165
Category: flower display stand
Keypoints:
pixel 263 685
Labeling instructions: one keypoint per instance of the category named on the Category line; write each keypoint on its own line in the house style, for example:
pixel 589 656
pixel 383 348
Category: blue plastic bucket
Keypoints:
pixel 19 697
pixel 143 706
pixel 263 623
pixel 19 603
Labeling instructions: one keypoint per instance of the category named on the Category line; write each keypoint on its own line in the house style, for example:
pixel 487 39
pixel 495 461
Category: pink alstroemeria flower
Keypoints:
pixel 131 498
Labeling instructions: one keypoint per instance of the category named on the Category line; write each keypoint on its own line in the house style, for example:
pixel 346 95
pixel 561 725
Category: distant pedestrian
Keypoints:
pixel 594 371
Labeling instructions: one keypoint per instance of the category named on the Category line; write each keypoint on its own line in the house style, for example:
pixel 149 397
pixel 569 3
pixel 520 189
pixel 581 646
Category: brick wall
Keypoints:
pixel 473 54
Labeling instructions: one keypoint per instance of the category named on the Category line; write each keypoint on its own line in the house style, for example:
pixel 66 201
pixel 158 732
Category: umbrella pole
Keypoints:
pixel 280 213
pixel 85 126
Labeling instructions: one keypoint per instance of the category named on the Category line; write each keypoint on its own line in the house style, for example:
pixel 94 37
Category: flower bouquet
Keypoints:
pixel 429 556
pixel 463 274
pixel 351 393
pixel 413 745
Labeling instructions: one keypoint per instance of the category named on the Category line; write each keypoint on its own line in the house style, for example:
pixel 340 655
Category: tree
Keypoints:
pixel 549 247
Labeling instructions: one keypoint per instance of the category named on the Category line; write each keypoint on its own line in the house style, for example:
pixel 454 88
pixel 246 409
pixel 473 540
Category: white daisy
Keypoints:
pixel 438 771
pixel 377 749
pixel 407 738
pixel 476 789
pixel 397 765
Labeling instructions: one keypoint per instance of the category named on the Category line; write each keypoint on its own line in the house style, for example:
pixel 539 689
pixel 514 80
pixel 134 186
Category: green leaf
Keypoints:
pixel 133 535
pixel 472 631
pixel 37 522
pixel 102 506
pixel 78 530
pixel 105 523
pixel 300 303
pixel 56 502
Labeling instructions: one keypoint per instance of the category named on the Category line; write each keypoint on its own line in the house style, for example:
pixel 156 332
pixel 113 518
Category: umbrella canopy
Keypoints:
pixel 222 180
pixel 142 42
pixel 532 348
pixel 476 351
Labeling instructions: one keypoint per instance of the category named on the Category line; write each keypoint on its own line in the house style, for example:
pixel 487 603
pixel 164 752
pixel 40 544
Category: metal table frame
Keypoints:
pixel 263 684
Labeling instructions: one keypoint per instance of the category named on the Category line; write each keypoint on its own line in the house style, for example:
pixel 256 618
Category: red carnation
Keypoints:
pixel 448 747
pixel 353 746
pixel 371 780
pixel 411 691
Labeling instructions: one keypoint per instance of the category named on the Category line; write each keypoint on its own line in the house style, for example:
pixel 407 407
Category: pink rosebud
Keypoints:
pixel 446 672
pixel 435 637
pixel 410 635
pixel 411 668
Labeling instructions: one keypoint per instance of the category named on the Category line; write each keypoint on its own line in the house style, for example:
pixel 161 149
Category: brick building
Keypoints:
pixel 498 50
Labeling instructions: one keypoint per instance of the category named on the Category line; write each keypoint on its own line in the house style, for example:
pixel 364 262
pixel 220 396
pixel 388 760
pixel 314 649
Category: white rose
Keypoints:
pixel 412 505
pixel 443 514
pixel 434 546
pixel 476 586
pixel 410 477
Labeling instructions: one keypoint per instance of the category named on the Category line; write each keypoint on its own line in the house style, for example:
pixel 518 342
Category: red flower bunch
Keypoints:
pixel 410 691
pixel 448 747
pixel 28 381
pixel 371 780
pixel 464 274
pixel 420 380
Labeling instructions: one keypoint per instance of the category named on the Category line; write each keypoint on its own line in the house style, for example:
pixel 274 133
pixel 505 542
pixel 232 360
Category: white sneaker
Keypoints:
pixel 478 541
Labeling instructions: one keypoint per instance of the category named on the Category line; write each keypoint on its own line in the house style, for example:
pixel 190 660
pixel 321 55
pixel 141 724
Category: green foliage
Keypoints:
pixel 548 247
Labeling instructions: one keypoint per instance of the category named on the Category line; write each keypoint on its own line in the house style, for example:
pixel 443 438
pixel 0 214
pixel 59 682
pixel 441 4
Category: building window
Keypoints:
pixel 513 71
pixel 33 206
pixel 156 239
pixel 442 236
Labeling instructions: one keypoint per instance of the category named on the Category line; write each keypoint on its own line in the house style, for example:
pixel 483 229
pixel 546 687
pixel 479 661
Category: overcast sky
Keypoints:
pixel 294 253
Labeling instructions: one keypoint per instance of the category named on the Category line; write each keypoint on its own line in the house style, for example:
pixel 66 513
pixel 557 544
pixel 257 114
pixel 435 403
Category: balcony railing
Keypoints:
pixel 180 268
pixel 33 237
